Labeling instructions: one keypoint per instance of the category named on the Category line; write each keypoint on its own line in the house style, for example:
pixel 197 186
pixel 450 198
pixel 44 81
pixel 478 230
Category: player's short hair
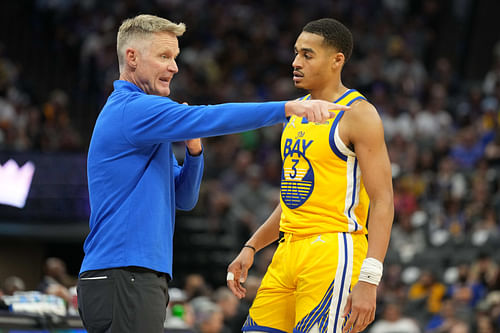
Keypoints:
pixel 335 34
pixel 142 27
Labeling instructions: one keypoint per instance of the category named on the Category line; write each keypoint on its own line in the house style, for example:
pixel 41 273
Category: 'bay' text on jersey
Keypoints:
pixel 298 147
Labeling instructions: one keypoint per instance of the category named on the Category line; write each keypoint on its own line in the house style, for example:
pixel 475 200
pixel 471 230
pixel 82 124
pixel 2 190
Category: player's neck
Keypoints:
pixel 329 93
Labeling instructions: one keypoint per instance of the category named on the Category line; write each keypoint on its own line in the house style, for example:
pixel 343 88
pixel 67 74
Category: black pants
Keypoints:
pixel 125 300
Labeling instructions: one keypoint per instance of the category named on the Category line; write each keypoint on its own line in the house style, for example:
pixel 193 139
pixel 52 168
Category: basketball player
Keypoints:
pixel 325 272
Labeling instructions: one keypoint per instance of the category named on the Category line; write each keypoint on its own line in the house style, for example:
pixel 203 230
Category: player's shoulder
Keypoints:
pixel 362 121
pixel 362 110
pixel 363 105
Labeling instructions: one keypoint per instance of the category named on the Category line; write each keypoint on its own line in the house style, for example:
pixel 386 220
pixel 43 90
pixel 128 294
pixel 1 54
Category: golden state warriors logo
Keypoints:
pixel 297 176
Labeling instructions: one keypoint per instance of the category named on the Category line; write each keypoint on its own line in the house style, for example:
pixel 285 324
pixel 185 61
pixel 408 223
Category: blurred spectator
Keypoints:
pixel 450 182
pixel 391 287
pixel 405 200
pixel 195 286
pixel 490 308
pixel 435 121
pixel 250 194
pixel 485 324
pixel 236 173
pixel 470 146
pixel 228 303
pixel 252 284
pixel 179 312
pixel 453 218
pixel 492 78
pixel 56 281
pixel 459 327
pixel 393 321
pixel 492 150
pixel 464 292
pixel 445 320
pixel 483 273
pixel 209 317
pixel 426 294
pixel 12 284
pixel 407 240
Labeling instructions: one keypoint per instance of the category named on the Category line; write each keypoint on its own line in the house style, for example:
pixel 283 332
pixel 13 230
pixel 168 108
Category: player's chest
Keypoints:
pixel 306 139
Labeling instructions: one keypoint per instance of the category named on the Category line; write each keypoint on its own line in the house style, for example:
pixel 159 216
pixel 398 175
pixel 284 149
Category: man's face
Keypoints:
pixel 312 63
pixel 156 64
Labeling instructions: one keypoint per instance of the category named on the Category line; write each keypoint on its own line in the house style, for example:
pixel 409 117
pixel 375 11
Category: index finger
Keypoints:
pixel 232 285
pixel 335 107
pixel 236 288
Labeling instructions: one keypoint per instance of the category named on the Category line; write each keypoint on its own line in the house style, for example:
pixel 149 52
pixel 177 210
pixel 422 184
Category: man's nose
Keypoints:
pixel 296 62
pixel 173 67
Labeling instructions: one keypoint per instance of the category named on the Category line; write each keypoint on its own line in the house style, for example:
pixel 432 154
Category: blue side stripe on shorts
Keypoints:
pixel 337 313
pixel 249 321
pixel 317 313
pixel 304 324
pixel 261 329
pixel 251 325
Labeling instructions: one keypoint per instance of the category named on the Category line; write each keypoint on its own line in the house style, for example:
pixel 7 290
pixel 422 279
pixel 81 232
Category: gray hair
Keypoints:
pixel 141 27
pixel 204 309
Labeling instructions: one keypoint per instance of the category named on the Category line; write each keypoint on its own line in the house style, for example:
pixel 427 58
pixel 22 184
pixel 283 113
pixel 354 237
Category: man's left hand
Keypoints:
pixel 194 146
pixel 361 305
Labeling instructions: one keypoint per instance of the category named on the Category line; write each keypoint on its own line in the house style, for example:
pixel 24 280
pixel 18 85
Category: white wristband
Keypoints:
pixel 371 271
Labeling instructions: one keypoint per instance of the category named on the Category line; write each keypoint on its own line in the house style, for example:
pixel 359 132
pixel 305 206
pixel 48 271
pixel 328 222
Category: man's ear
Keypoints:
pixel 131 57
pixel 338 60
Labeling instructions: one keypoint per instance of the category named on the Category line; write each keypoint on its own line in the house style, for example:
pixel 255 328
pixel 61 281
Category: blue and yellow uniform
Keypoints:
pixel 324 212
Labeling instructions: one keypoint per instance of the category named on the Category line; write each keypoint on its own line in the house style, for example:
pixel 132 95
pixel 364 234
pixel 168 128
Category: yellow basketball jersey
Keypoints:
pixel 322 188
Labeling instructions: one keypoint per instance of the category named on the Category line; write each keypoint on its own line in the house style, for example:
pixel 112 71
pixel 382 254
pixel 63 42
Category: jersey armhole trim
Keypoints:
pixel 338 147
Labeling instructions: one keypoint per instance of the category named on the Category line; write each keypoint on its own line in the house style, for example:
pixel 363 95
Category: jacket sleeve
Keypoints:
pixel 149 119
pixel 187 180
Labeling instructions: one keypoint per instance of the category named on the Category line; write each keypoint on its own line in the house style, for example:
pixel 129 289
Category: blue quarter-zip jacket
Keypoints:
pixel 135 183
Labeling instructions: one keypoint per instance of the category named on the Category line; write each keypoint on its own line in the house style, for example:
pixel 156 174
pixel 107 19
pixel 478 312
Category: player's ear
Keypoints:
pixel 338 60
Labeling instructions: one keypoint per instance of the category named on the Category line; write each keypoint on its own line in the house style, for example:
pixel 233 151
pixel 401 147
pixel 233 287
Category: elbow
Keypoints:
pixel 384 203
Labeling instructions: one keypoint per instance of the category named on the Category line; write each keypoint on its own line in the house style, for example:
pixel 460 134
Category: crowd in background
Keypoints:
pixel 441 126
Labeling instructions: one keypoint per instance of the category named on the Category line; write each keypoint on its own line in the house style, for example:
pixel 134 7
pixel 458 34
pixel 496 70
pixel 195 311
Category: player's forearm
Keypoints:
pixel 267 232
pixel 379 227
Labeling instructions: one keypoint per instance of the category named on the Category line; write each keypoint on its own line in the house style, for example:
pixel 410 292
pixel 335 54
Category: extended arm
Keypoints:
pixel 363 128
pixel 149 119
pixel 265 235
